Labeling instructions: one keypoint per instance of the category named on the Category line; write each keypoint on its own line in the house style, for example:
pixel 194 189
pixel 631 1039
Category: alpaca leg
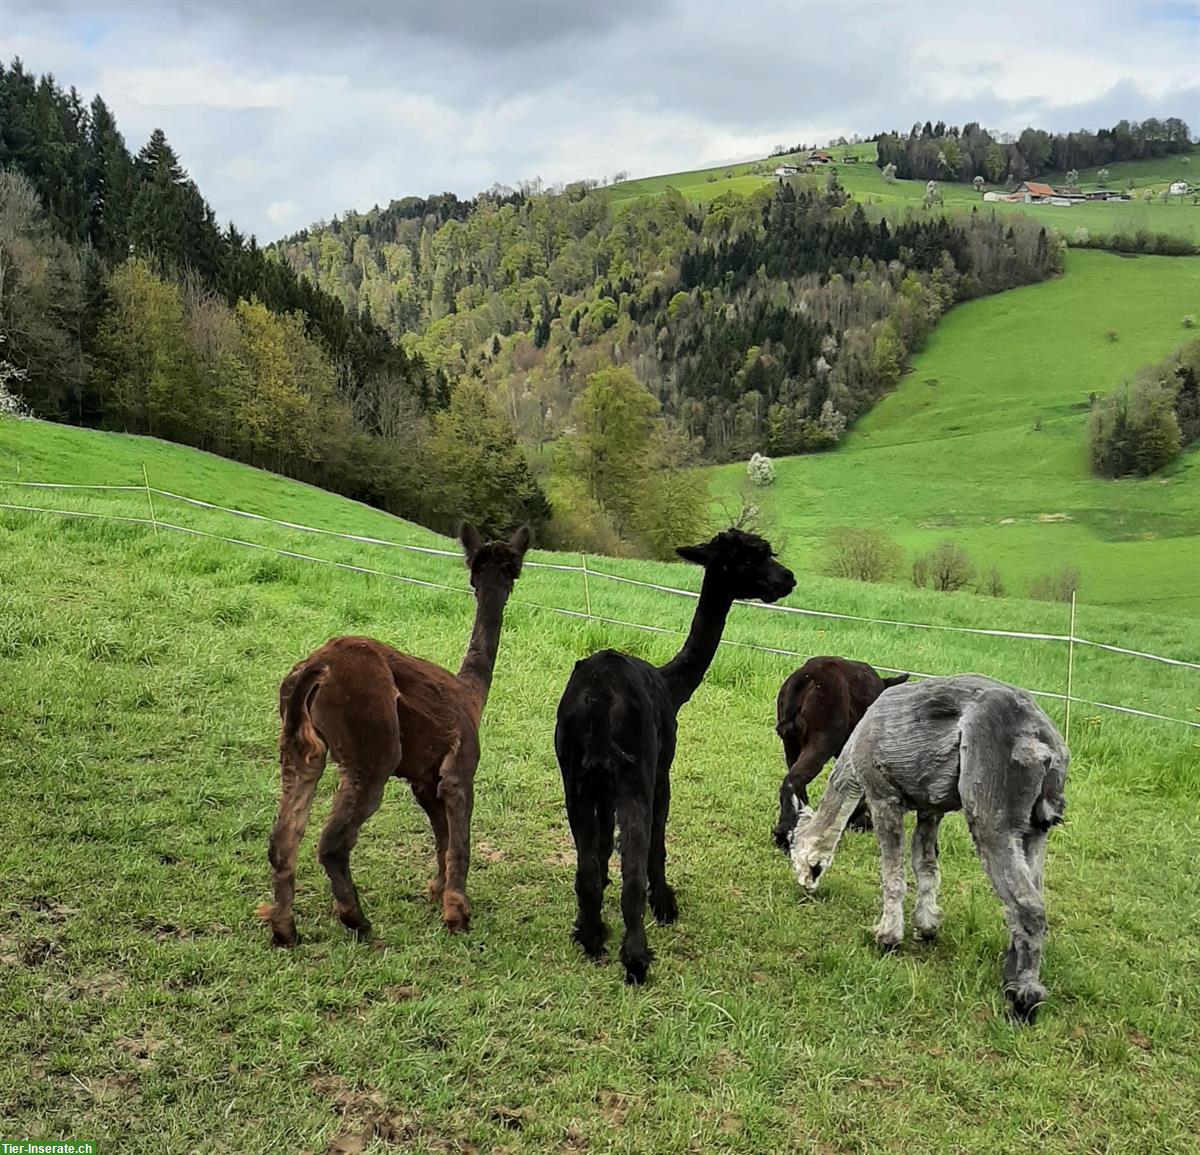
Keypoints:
pixel 927 917
pixel 356 800
pixel 889 831
pixel 635 819
pixel 435 808
pixel 662 896
pixel 299 777
pixel 1004 859
pixel 457 792
pixel 793 792
pixel 1035 856
pixel 588 828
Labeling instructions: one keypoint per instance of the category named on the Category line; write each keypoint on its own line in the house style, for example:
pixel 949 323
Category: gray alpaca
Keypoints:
pixel 945 744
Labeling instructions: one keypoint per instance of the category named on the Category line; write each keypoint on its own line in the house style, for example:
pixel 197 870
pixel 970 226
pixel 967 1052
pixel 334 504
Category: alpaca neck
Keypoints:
pixel 480 659
pixel 686 670
pixel 843 793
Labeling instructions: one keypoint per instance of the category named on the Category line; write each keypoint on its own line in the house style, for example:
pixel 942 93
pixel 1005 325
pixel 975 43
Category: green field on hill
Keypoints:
pixel 144 1008
pixel 864 182
pixel 984 441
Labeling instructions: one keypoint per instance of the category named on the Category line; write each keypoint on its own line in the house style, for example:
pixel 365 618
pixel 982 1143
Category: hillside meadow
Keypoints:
pixel 146 1010
pixel 984 441
pixel 864 182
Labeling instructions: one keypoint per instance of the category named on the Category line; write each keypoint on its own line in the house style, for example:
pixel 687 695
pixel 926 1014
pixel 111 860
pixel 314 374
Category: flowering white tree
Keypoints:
pixel 933 195
pixel 760 470
pixel 1081 235
pixel 889 173
pixel 978 182
pixel 10 404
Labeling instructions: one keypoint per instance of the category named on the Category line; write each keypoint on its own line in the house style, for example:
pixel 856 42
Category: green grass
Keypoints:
pixel 864 182
pixel 986 435
pixel 143 1006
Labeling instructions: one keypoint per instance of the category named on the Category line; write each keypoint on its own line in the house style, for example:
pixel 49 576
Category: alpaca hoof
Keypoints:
pixel 456 913
pixel 665 908
pixel 636 965
pixel 927 934
pixel 357 924
pixel 285 936
pixel 434 889
pixel 590 940
pixel 1025 1001
pixel 888 938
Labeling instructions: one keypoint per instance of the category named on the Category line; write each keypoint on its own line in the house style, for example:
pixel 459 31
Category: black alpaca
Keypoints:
pixel 615 741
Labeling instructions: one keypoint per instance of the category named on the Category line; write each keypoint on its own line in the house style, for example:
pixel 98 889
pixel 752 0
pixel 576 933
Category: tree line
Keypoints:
pixel 949 153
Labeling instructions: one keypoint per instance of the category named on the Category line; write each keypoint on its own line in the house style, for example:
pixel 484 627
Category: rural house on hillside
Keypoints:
pixel 786 170
pixel 1033 192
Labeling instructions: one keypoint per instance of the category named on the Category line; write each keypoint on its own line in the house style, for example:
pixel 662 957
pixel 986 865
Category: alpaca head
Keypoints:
pixel 744 564
pixel 810 859
pixel 493 565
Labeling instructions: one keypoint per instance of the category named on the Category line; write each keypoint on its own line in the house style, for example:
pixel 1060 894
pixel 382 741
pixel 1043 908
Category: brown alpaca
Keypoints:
pixel 380 713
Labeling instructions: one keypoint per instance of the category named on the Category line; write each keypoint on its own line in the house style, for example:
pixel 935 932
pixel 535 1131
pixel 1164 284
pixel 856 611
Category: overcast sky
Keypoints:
pixel 288 111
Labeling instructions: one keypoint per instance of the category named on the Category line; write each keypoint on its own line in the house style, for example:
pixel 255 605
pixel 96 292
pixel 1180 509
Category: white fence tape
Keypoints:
pixel 590 571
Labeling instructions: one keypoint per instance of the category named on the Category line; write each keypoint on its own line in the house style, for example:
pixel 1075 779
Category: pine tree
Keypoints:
pixel 111 184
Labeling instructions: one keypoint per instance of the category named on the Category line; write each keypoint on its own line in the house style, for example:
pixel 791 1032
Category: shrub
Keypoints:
pixel 1189 321
pixel 947 567
pixel 1056 587
pixel 1082 236
pixel 761 470
pixel 865 555
pixel 990 583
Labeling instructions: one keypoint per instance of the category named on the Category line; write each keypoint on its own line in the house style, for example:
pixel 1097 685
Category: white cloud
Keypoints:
pixel 290 113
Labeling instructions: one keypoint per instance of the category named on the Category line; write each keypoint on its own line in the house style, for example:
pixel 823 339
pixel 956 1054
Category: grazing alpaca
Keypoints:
pixel 615 741
pixel 945 744
pixel 379 713
pixel 817 709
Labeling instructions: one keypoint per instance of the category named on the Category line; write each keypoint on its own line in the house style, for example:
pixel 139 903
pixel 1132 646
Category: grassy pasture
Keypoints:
pixel 985 441
pixel 864 182
pixel 144 1008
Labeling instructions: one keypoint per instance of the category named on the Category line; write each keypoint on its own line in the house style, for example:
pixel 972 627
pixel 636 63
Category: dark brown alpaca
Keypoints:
pixel 818 708
pixel 380 713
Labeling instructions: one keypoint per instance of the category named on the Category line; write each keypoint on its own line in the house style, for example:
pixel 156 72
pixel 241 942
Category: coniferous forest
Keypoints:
pixel 444 357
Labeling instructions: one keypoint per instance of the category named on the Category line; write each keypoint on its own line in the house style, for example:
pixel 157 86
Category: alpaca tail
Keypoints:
pixel 898 680
pixel 790 721
pixel 1050 805
pixel 298 732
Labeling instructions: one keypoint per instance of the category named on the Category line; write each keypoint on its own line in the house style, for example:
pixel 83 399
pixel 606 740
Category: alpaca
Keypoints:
pixel 818 707
pixel 967 743
pixel 380 713
pixel 615 741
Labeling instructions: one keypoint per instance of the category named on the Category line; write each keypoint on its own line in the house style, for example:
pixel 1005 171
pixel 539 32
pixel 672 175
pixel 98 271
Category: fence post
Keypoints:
pixel 587 595
pixel 150 499
pixel 1070 669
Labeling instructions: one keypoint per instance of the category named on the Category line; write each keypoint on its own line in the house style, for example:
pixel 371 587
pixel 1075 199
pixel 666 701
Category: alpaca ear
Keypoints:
pixel 697 554
pixel 472 543
pixel 520 540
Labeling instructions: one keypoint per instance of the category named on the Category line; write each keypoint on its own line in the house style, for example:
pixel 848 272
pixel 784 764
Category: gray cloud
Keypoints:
pixel 287 112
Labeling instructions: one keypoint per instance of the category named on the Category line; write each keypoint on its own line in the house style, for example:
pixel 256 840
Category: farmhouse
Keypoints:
pixel 1033 192
pixel 786 170
pixel 818 157
pixel 850 158
pixel 1179 188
